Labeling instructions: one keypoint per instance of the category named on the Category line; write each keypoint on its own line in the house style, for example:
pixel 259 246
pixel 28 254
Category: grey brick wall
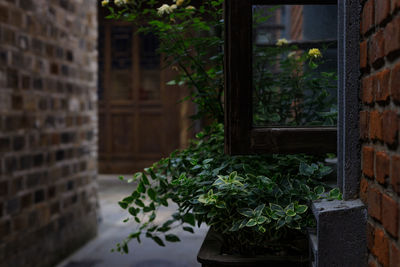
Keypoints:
pixel 48 129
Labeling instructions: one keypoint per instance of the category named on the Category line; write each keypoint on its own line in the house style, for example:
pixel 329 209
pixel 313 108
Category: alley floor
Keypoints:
pixel 112 229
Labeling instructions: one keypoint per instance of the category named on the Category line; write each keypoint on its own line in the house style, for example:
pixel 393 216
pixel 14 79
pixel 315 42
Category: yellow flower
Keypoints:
pixel 314 53
pixel 282 42
pixel 190 7
pixel 104 3
pixel 179 2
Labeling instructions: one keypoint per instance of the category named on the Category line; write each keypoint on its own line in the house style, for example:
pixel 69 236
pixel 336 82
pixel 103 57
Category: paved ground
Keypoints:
pixel 112 230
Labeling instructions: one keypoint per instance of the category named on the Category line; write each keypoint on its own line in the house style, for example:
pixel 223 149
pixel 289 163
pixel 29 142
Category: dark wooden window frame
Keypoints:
pixel 241 137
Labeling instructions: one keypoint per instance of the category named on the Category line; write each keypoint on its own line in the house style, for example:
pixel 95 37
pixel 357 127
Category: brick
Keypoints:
pixel 370 236
pixel 395 83
pixel 26 201
pixel 390 215
pixel 394 255
pixel 18 143
pixel 392 38
pixel 20 222
pixel 16 185
pixel 3 13
pixel 54 69
pixel 13 206
pixel 26 82
pixel 39 196
pixel 381 247
pixel 382 166
pixel 377 49
pixel 38 160
pixel 390 123
pixel 364 190
pixel 375 128
pixel 382 10
pixel 5 144
pixel 364 54
pixel 55 208
pixel 25 162
pixel 3 188
pixel 12 79
pixel 368 161
pixel 17 102
pixel 367 17
pixel 15 18
pixel 33 179
pixel 70 55
pixel 374 203
pixel 368 93
pixel 364 125
pixel 52 191
pixel 381 86
pixel 5 228
pixel 395 174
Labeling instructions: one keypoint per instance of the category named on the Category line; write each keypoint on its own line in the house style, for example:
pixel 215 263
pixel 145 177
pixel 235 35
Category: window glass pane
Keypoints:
pixel 150 68
pixel 294 65
pixel 121 64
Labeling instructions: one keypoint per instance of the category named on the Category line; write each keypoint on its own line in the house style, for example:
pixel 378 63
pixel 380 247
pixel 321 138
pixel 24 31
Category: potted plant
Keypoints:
pixel 257 206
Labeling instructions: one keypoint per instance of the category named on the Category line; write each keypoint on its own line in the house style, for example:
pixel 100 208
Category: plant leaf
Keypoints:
pixel 300 209
pixel 151 193
pixel 158 241
pixel 188 229
pixel 246 212
pixel 189 218
pixel 251 223
pixel 172 238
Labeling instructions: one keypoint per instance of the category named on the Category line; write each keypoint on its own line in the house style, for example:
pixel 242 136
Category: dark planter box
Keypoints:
pixel 210 256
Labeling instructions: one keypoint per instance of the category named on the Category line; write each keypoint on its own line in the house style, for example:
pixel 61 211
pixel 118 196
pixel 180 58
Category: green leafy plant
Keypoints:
pixel 258 203
pixel 254 201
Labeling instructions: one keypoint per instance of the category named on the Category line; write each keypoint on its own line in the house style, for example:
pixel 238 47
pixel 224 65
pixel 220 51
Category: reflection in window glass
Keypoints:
pixel 150 67
pixel 294 65
pixel 121 64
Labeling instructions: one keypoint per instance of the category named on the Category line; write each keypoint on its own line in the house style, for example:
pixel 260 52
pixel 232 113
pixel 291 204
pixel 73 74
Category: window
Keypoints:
pixel 246 133
pixel 243 135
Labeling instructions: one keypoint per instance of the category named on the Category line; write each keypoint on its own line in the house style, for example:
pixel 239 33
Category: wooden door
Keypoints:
pixel 138 119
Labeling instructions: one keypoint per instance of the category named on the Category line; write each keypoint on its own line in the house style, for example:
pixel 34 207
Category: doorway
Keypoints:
pixel 140 120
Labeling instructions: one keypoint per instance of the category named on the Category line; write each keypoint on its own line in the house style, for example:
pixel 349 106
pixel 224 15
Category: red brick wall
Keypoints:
pixel 379 127
pixel 296 22
pixel 48 129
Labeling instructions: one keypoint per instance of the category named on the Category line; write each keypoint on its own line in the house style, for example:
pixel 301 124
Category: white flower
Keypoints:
pixel 104 3
pixel 292 54
pixel 282 42
pixel 165 9
pixel 119 2
pixel 190 7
